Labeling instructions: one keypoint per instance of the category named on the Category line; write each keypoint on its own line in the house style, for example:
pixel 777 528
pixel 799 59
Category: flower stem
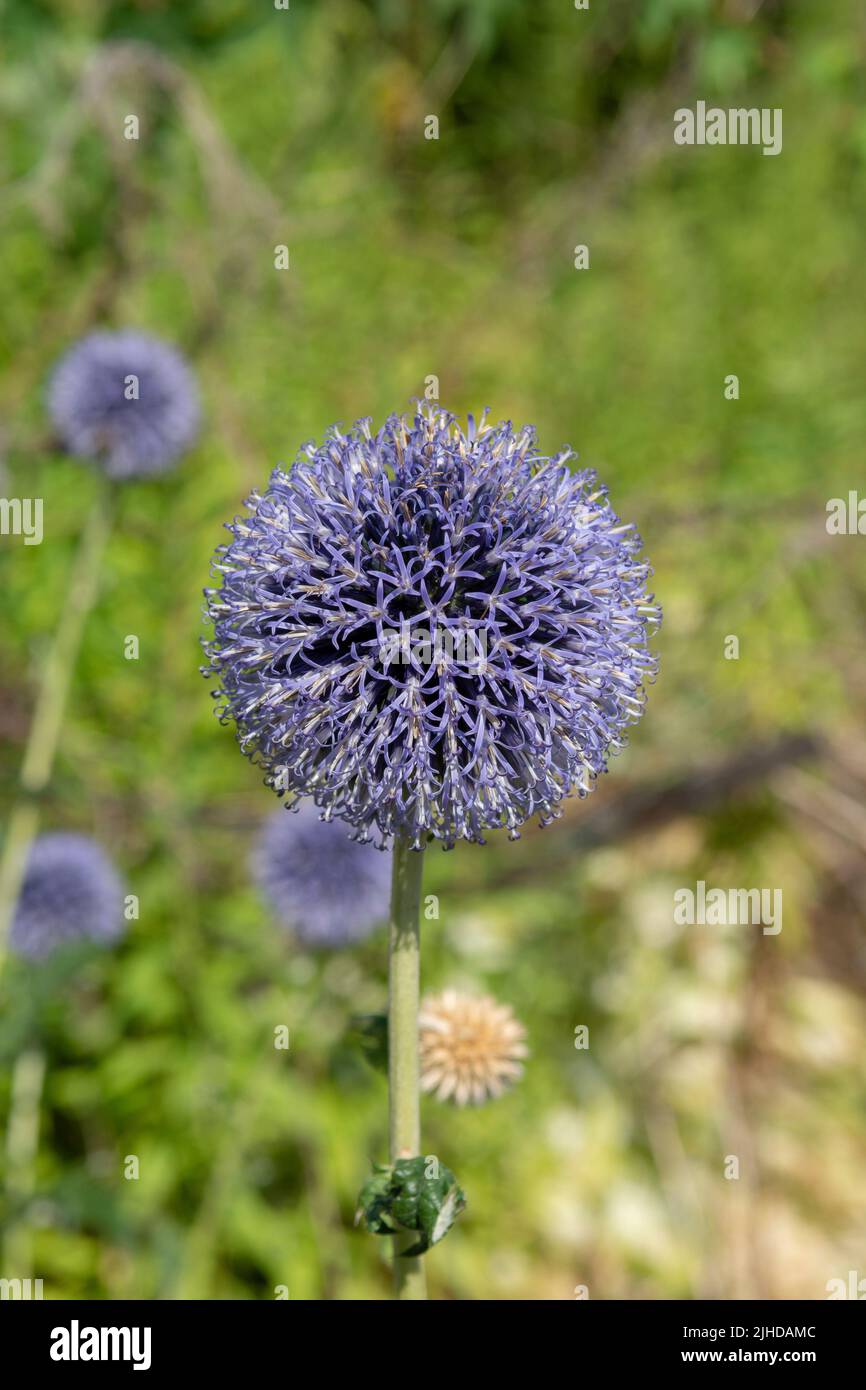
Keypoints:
pixel 404 958
pixel 50 707
pixel 22 1144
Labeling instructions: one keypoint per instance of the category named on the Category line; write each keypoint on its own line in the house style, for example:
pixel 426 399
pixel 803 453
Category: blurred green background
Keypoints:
pixel 455 258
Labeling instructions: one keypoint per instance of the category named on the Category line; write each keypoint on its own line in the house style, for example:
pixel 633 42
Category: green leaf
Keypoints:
pixel 414 1194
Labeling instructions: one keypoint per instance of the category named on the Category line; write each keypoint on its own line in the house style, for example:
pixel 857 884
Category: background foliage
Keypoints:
pixel 455 258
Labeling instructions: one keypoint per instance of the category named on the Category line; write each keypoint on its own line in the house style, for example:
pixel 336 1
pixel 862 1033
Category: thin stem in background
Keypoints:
pixel 22 1145
pixel 194 1279
pixel 51 699
pixel 404 957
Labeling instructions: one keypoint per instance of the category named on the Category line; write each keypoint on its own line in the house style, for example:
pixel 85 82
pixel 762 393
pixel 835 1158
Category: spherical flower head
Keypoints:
pixel 431 631
pixel 71 893
pixel 126 400
pixel 327 888
pixel 471 1049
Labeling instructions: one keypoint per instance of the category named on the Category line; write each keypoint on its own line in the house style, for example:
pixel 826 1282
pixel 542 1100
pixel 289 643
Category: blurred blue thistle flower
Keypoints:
pixel 71 893
pixel 423 526
pixel 328 889
pixel 126 399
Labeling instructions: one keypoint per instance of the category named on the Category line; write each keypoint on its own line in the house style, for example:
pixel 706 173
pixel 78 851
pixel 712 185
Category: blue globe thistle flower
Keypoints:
pixel 127 400
pixel 431 631
pixel 328 889
pixel 70 893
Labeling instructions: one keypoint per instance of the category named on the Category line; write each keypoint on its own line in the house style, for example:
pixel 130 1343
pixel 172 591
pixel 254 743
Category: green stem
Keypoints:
pixel 196 1274
pixel 22 1145
pixel 404 956
pixel 44 735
